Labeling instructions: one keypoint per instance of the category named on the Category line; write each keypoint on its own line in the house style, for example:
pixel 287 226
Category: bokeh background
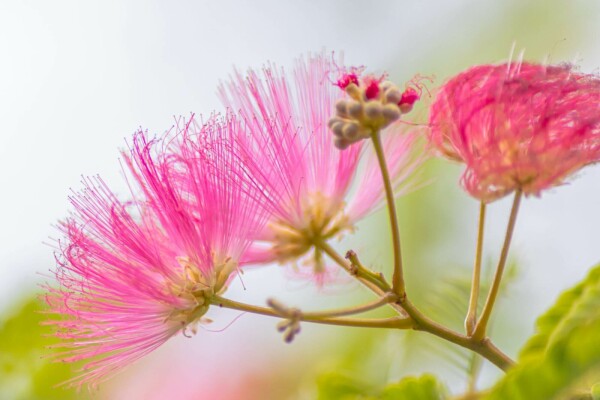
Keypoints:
pixel 77 78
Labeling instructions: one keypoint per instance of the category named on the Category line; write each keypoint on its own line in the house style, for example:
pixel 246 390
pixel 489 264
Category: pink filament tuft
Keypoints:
pixel 287 119
pixel 526 126
pixel 122 287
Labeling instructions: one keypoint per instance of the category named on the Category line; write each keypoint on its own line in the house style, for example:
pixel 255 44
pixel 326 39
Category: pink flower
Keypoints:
pixel 132 274
pixel 517 126
pixel 317 192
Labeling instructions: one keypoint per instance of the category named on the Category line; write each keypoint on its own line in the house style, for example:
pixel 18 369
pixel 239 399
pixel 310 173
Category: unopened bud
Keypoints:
pixel 351 131
pixel 355 109
pixel 354 91
pixel 373 109
pixel 338 128
pixel 342 108
pixel 341 143
pixel 392 95
pixel 390 112
pixel 385 85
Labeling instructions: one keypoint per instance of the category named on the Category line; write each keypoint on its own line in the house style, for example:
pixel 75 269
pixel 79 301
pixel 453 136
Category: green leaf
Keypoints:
pixel 564 353
pixel 26 369
pixel 425 387
pixel 595 392
pixel 334 386
pixel 549 321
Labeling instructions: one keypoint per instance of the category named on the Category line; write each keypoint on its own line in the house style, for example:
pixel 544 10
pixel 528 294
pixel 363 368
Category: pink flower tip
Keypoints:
pixel 346 79
pixel 372 87
pixel 409 97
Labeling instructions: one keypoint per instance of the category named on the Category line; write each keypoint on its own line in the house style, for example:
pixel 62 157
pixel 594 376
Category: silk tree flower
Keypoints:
pixel 134 273
pixel 516 126
pixel 317 192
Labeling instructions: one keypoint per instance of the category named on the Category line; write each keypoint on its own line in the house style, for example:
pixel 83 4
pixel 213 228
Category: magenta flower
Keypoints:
pixel 318 192
pixel 134 273
pixel 517 126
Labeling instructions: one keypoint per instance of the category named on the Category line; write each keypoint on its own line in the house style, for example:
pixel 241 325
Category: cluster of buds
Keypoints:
pixel 373 104
pixel 290 326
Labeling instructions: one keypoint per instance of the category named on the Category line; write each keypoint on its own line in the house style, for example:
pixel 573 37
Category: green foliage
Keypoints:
pixel 425 387
pixel 335 386
pixel 564 354
pixel 26 371
pixel 596 391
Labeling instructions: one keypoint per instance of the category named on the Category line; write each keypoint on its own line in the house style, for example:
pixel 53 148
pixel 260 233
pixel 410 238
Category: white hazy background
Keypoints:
pixel 79 77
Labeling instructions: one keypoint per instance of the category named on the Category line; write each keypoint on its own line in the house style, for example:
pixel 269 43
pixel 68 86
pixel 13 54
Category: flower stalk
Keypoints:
pixel 471 318
pixel 480 329
pixel 320 317
pixel 398 276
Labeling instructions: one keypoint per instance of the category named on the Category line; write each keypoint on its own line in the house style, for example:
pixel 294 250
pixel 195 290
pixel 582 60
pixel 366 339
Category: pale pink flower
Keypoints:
pixel 517 126
pixel 318 192
pixel 134 273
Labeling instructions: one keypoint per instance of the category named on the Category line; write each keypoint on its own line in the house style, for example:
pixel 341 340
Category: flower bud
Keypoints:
pixel 341 108
pixel 351 131
pixel 373 109
pixel 355 109
pixel 390 112
pixel 341 143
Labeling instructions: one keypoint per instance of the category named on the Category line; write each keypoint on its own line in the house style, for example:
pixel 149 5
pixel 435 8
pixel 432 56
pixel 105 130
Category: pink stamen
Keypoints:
pixel 372 89
pixel 409 97
pixel 346 80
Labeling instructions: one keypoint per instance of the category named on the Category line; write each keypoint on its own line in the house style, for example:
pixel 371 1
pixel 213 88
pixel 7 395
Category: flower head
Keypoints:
pixel 134 273
pixel 517 126
pixel 317 192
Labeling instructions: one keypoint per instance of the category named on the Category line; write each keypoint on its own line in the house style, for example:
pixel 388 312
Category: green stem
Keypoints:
pixel 471 318
pixel 483 347
pixel 398 277
pixel 480 329
pixel 317 318
pixel 342 312
pixel 420 322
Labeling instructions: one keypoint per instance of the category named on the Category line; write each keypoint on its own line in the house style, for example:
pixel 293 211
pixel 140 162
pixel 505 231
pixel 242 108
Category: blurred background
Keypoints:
pixel 78 78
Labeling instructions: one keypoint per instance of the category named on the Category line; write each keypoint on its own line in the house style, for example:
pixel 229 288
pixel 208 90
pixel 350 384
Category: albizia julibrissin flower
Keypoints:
pixel 134 273
pixel 317 191
pixel 517 126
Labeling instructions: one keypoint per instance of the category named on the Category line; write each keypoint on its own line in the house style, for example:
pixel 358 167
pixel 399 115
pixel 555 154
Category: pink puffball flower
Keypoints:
pixel 134 273
pixel 318 192
pixel 520 126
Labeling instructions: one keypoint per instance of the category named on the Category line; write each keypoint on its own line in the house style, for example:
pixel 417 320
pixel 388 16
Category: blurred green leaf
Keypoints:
pixel 26 369
pixel 565 352
pixel 338 386
pixel 549 322
pixel 596 391
pixel 425 387
pixel 335 386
